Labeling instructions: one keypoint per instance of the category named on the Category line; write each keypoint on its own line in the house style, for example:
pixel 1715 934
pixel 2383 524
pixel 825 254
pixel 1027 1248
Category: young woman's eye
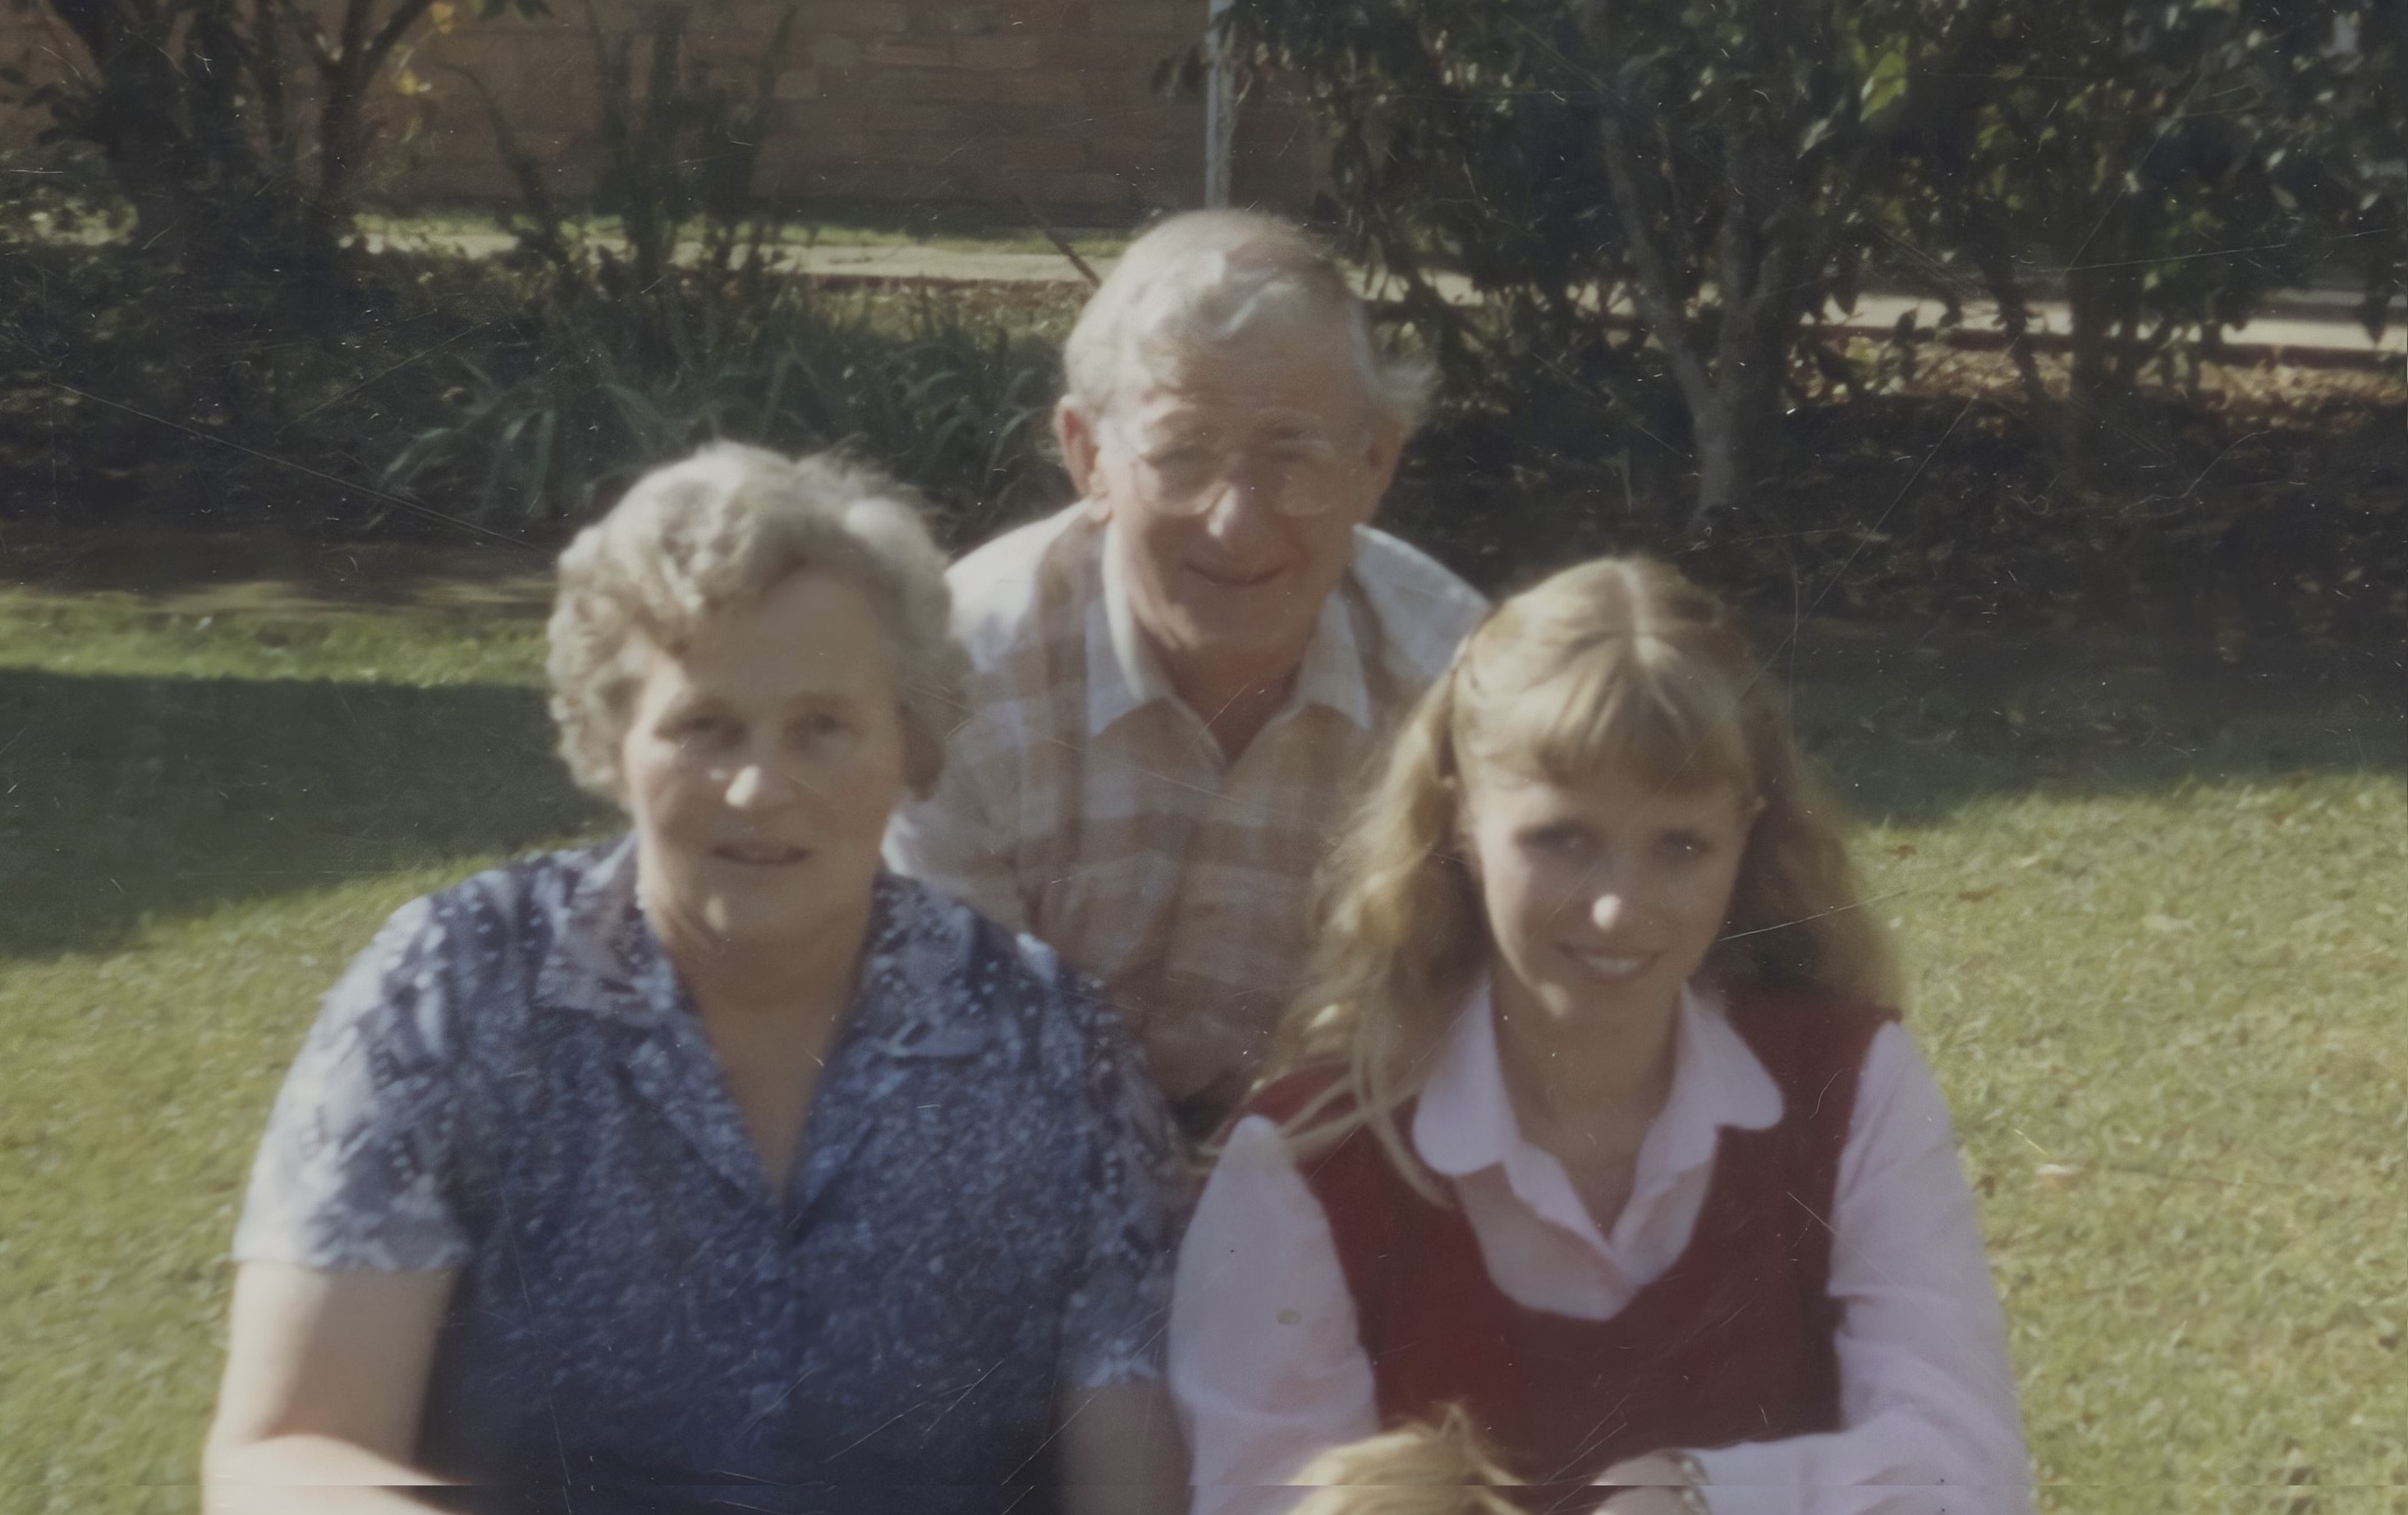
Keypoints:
pixel 703 731
pixel 1683 845
pixel 819 726
pixel 1559 839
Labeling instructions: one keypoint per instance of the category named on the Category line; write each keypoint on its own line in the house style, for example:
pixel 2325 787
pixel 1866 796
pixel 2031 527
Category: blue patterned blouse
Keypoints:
pixel 510 1083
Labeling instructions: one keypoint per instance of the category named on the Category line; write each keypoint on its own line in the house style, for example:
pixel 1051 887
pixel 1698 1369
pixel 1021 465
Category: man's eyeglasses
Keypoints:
pixel 1299 473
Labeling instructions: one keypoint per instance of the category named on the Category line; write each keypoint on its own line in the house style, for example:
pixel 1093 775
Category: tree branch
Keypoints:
pixel 1659 304
pixel 397 26
pixel 99 26
pixel 313 37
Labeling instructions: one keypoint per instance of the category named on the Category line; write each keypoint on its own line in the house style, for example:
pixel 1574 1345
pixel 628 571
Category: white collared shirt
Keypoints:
pixel 1084 803
pixel 1269 1369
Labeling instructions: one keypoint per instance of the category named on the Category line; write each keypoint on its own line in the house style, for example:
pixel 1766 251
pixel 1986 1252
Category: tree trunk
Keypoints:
pixel 2052 418
pixel 1726 462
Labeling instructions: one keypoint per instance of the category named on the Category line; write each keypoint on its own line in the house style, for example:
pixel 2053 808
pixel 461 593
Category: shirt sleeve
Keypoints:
pixel 952 839
pixel 1266 1364
pixel 1927 1399
pixel 1135 1202
pixel 352 1173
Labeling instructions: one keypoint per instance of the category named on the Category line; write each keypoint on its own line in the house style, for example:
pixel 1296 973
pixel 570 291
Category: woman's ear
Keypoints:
pixel 1459 828
pixel 1076 434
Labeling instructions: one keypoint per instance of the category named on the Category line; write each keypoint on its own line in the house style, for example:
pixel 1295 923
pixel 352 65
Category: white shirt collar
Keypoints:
pixel 1464 1119
pixel 1123 674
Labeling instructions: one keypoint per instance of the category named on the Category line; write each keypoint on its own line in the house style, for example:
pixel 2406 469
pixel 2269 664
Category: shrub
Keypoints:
pixel 622 350
pixel 236 133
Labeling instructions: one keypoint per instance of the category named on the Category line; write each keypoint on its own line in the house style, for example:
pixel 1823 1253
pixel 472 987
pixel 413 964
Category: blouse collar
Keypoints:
pixel 915 996
pixel 1465 1122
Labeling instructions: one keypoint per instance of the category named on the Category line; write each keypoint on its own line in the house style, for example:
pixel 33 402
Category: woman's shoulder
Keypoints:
pixel 1788 1028
pixel 1820 1050
pixel 1319 1088
pixel 483 936
pixel 985 975
pixel 1033 1024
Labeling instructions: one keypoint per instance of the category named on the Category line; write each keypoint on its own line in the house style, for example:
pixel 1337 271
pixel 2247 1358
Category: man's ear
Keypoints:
pixel 1385 449
pixel 1076 435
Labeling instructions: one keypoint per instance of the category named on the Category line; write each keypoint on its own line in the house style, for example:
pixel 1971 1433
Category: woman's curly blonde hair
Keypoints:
pixel 1620 661
pixel 694 538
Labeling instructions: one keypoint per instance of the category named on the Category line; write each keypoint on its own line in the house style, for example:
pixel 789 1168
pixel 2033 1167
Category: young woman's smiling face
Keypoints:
pixel 1602 896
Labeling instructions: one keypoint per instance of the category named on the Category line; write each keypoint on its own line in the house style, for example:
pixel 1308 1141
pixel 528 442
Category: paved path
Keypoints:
pixel 2313 327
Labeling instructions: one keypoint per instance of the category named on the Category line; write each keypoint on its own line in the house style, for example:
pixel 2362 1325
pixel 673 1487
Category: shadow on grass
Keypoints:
pixel 136 797
pixel 133 798
pixel 231 570
pixel 1910 726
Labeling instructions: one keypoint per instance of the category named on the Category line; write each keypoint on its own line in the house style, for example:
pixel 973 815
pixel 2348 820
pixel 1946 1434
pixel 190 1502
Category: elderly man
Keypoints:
pixel 1179 680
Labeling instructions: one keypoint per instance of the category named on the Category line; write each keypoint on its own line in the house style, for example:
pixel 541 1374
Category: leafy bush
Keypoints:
pixel 621 352
pixel 1708 173
pixel 128 391
pixel 2166 167
pixel 1709 167
pixel 236 133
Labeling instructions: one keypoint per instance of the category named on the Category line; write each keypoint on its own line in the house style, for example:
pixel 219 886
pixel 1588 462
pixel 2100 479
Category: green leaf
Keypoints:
pixel 1884 89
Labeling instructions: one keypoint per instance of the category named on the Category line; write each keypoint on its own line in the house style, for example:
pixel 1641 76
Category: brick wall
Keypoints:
pixel 897 100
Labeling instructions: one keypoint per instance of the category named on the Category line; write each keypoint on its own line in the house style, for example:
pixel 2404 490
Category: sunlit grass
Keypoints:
pixel 864 225
pixel 2169 1025
pixel 2155 931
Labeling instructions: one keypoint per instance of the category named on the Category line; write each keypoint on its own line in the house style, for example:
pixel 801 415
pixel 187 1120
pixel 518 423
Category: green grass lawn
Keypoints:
pixel 2155 918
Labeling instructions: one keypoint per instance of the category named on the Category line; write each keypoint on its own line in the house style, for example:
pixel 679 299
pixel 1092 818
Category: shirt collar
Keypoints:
pixel 1464 1121
pixel 603 957
pixel 1123 674
pixel 915 997
pixel 922 991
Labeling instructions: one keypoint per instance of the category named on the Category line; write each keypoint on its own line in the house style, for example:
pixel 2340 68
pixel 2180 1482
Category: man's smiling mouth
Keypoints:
pixel 1233 578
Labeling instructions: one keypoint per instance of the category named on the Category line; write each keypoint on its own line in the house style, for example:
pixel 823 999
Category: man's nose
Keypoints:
pixel 1246 500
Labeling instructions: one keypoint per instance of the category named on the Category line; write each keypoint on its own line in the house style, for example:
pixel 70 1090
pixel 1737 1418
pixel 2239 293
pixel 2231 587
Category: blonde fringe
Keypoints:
pixel 1418 1469
pixel 1620 660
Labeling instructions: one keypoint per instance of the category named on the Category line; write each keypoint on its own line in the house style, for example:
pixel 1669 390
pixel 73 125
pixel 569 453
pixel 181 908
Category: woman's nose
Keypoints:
pixel 758 784
pixel 1609 906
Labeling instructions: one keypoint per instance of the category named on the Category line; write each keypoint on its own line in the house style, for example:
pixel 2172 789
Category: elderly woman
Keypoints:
pixel 713 1167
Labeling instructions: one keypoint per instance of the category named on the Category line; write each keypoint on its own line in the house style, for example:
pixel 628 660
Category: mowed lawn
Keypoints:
pixel 2155 918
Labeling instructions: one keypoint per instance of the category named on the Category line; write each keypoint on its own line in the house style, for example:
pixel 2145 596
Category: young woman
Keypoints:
pixel 1595 1122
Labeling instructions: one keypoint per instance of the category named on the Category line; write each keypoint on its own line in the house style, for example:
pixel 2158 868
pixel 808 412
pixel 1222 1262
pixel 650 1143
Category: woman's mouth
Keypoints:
pixel 1609 964
pixel 760 854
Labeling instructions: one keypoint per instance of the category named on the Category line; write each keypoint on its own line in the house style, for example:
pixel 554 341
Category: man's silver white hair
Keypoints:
pixel 1197 281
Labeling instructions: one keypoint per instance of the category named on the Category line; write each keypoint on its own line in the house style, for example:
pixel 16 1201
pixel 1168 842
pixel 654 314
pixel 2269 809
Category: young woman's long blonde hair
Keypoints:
pixel 1620 661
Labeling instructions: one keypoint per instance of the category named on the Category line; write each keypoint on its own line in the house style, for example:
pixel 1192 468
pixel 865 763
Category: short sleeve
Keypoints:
pixel 354 1171
pixel 952 840
pixel 1114 1332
